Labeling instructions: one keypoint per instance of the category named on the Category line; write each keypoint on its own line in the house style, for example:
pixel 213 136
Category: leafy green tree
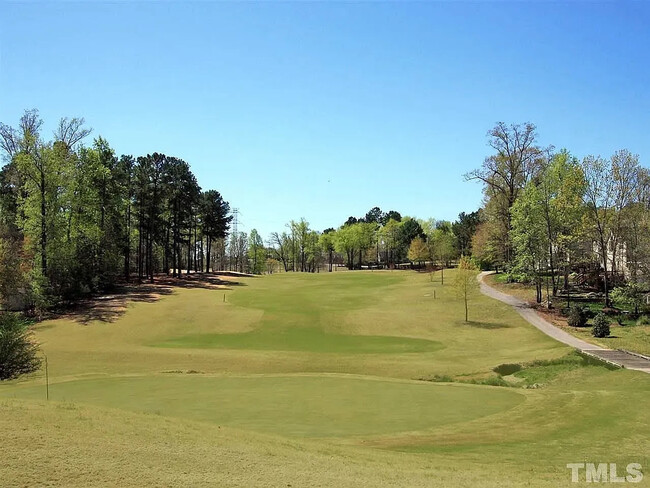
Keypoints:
pixel 327 244
pixel 345 242
pixel 365 238
pixel 18 352
pixel 313 251
pixel 215 220
pixel 632 294
pixel 484 249
pixel 530 238
pixel 14 272
pixel 300 232
pixel 563 190
pixel 442 244
pixel 464 229
pixel 418 251
pixel 391 215
pixel 124 177
pixel 609 189
pixel 256 253
pixel 465 282
pixel 389 235
pixel 560 185
pixel 182 194
pixel 409 229
pixel 374 216
pixel 70 216
pixel 601 326
pixel 546 214
pixel 505 173
pixel 281 245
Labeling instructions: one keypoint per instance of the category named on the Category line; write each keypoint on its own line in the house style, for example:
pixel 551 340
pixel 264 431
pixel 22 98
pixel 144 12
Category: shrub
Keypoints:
pixel 18 353
pixel 601 326
pixel 643 320
pixel 577 317
pixel 507 369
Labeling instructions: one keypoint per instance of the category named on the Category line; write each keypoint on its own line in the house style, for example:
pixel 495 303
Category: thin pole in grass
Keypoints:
pixel 47 379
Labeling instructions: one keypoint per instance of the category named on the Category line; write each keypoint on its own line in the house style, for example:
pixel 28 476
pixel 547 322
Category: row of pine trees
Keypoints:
pixel 76 219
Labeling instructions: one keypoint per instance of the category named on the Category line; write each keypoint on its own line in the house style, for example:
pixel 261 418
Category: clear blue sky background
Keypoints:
pixel 323 110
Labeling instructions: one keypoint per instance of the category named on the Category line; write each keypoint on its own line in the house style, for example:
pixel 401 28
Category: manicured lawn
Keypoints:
pixel 301 405
pixel 312 380
pixel 304 339
pixel 628 336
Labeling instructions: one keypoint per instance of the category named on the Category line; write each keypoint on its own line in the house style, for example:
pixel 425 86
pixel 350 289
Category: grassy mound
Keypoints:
pixel 302 405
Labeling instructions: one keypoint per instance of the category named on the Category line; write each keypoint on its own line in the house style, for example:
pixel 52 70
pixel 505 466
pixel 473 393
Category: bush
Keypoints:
pixel 577 317
pixel 18 354
pixel 507 369
pixel 643 320
pixel 601 326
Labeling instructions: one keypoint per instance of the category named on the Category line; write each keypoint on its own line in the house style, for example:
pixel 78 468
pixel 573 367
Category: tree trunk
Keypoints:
pixel 208 248
pixel 189 249
pixel 43 228
pixel 196 236
pixel 140 250
pixel 603 249
pixel 466 310
pixel 127 243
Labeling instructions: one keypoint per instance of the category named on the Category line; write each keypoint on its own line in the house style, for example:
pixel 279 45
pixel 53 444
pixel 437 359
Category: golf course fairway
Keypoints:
pixel 329 379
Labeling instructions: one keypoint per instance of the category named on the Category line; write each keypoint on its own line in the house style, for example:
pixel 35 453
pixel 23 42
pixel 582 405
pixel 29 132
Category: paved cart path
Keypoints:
pixel 621 358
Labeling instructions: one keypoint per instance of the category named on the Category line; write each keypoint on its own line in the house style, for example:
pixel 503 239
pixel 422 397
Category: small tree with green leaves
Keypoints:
pixel 632 294
pixel 601 326
pixel 418 251
pixel 465 282
pixel 577 317
pixel 18 353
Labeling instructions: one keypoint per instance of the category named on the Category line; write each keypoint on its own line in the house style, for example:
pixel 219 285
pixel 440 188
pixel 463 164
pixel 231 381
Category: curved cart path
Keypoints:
pixel 621 358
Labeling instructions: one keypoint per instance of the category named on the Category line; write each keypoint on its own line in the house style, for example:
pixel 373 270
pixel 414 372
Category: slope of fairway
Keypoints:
pixel 308 406
pixel 593 416
pixel 309 380
pixel 369 323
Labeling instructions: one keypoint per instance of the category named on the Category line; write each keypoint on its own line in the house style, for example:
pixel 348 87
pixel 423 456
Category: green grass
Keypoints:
pixel 628 336
pixel 306 406
pixel 304 339
pixel 310 380
pixel 298 319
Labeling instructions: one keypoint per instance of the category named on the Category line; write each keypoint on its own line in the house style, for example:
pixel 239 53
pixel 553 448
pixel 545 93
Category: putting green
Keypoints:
pixel 301 405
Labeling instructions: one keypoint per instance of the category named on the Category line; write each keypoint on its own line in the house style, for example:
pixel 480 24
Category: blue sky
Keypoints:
pixel 324 110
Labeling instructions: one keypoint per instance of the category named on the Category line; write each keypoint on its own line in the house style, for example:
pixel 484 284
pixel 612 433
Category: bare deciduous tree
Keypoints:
pixel 71 131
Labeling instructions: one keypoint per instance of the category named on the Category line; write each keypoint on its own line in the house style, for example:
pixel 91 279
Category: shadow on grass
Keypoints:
pixel 484 325
pixel 109 307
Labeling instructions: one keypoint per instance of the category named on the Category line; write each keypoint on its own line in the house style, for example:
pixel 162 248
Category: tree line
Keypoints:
pixel 76 219
pixel 378 239
pixel 549 215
